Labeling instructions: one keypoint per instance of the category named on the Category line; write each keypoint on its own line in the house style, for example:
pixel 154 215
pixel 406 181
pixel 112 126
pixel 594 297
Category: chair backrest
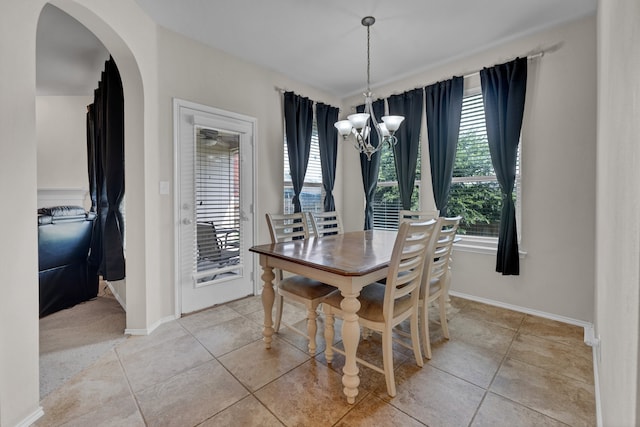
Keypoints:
pixel 406 215
pixel 326 223
pixel 207 240
pixel 410 251
pixel 438 265
pixel 286 227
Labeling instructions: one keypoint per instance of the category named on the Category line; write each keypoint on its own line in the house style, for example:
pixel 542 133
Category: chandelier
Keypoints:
pixel 357 125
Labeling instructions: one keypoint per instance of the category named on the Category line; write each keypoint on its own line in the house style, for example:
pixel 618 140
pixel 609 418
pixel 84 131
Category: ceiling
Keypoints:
pixel 319 43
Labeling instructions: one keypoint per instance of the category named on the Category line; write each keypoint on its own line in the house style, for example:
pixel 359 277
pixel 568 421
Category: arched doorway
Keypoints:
pixel 101 24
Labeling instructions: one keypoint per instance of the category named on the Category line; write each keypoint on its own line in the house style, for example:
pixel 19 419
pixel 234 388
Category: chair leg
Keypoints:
pixel 443 315
pixel 329 321
pixel 426 341
pixel 279 304
pixel 387 361
pixel 415 338
pixel 312 328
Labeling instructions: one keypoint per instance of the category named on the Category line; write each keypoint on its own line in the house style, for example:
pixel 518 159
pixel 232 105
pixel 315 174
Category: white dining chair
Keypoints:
pixel 437 277
pixel 384 306
pixel 309 292
pixel 326 223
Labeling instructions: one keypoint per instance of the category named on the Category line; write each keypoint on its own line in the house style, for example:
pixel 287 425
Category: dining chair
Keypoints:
pixel 384 306
pixel 326 223
pixel 283 228
pixel 437 278
pixel 215 250
pixel 408 215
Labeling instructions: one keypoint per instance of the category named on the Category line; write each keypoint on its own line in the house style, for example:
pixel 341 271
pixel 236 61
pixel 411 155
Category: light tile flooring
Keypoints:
pixel 500 368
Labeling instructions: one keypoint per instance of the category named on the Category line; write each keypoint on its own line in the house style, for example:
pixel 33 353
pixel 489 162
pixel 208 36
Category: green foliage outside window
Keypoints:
pixel 478 202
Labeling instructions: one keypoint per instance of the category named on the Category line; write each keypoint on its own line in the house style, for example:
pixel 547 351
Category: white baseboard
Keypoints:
pixel 588 327
pixel 596 385
pixel 117 296
pixel 589 336
pixel 152 327
pixel 32 418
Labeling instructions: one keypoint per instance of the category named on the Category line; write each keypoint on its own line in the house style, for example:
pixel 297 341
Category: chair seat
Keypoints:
pixel 371 302
pixel 306 288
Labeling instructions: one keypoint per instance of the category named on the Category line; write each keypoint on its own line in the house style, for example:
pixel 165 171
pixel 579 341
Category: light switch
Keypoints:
pixel 164 187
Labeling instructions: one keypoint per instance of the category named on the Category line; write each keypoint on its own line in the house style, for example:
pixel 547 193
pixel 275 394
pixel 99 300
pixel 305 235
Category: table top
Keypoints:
pixel 354 253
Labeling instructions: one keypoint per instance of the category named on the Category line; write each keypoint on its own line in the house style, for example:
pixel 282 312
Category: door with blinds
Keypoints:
pixel 214 202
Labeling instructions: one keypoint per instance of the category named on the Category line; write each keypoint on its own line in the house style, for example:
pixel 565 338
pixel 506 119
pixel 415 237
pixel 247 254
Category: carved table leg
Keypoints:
pixel 350 338
pixel 268 296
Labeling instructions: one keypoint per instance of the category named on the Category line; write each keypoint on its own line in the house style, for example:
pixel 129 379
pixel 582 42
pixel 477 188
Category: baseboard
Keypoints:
pixel 35 416
pixel 589 338
pixel 117 296
pixel 596 385
pixel 152 327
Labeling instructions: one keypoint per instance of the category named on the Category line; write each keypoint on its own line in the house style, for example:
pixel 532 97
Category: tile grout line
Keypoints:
pixel 504 358
pixel 246 387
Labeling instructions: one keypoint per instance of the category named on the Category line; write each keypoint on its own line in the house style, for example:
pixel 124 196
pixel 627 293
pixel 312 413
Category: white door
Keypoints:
pixel 214 205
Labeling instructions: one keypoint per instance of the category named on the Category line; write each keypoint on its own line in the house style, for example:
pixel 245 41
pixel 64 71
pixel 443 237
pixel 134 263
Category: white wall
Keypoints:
pixel 197 73
pixel 19 390
pixel 61 137
pixel 618 224
pixel 112 23
pixel 558 175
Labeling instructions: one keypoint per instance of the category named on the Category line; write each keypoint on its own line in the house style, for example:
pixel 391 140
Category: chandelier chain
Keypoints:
pixel 368 58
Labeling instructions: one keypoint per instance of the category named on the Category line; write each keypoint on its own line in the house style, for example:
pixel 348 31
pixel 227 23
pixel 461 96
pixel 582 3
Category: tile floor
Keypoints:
pixel 500 368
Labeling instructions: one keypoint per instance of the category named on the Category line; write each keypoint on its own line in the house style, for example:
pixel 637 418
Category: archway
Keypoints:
pixel 97 22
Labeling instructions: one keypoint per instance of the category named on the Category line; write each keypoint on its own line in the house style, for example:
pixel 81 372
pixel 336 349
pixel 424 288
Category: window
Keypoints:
pixel 475 193
pixel 217 204
pixel 312 194
pixel 386 200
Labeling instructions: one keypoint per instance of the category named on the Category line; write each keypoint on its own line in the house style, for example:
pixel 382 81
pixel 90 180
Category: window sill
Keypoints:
pixel 480 245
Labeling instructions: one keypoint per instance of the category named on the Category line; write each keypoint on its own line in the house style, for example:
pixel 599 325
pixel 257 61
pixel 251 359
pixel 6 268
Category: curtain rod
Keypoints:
pixel 282 90
pixel 535 55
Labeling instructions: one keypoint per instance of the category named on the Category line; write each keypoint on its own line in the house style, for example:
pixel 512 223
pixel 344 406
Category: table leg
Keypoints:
pixel 350 338
pixel 268 296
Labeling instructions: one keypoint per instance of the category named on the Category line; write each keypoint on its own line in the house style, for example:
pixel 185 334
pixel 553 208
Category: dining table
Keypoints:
pixel 348 261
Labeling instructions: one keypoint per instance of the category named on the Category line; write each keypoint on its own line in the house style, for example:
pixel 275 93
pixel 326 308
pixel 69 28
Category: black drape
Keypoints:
pixel 91 154
pixel 503 91
pixel 371 167
pixel 105 150
pixel 405 152
pixel 326 116
pixel 298 122
pixel 444 109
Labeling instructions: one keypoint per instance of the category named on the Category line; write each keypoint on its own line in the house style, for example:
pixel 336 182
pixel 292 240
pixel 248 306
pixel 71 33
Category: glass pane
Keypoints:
pixel 217 204
pixel 310 199
pixel 386 205
pixel 479 203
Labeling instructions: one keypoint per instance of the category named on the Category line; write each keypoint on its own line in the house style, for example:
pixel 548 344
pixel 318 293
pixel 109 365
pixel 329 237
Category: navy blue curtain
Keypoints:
pixel 371 167
pixel 326 116
pixel 405 152
pixel 298 123
pixel 105 151
pixel 503 91
pixel 444 109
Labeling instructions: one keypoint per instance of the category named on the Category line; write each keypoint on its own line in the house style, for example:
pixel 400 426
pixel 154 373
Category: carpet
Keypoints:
pixel 74 338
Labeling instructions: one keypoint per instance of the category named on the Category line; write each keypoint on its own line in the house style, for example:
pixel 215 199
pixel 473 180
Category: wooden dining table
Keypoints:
pixel 348 261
